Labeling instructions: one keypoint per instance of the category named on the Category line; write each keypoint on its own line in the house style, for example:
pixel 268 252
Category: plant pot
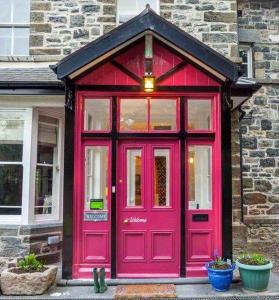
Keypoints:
pixel 27 283
pixel 255 278
pixel 220 279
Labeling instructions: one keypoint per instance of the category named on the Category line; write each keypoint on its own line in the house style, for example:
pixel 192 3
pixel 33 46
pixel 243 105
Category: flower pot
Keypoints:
pixel 255 278
pixel 27 283
pixel 220 279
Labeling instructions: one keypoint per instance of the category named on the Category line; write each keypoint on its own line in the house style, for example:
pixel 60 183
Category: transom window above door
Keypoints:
pixel 148 114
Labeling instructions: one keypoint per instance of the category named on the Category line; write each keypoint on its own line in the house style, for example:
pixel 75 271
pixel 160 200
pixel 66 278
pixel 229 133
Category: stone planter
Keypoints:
pixel 28 283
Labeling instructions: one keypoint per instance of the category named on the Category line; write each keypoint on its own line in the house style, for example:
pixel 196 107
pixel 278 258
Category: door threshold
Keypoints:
pixel 122 281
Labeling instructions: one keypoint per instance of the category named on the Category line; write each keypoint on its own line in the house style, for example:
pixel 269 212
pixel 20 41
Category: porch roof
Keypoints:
pixel 147 21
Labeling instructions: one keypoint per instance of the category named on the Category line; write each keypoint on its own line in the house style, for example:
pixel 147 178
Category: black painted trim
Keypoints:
pixel 126 135
pixel 67 250
pixel 113 183
pixel 226 175
pixel 171 71
pixel 182 190
pixel 126 71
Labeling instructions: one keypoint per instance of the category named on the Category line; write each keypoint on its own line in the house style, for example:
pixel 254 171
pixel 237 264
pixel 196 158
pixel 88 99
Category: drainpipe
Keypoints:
pixel 246 116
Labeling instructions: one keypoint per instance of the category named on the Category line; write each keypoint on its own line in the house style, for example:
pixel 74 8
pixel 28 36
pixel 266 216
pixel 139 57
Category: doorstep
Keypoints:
pixel 198 291
pixel 120 281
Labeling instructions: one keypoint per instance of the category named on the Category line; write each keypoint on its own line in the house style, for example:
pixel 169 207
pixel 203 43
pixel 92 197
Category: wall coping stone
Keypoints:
pixel 45 225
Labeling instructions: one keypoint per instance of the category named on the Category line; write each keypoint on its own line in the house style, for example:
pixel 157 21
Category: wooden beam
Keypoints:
pixel 126 71
pixel 171 71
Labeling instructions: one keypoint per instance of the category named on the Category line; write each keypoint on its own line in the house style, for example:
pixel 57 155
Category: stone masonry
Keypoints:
pixel 258 22
pixel 18 241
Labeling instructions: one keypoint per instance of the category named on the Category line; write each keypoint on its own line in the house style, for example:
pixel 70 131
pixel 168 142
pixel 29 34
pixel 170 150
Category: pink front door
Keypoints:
pixel 148 208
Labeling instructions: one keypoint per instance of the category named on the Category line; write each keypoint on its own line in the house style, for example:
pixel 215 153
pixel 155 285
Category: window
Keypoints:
pixel 97 114
pixel 134 177
pixel 96 177
pixel 47 166
pixel 127 9
pixel 245 52
pixel 199 113
pixel 14 27
pixel 11 166
pixel 161 165
pixel 199 177
pixel 148 114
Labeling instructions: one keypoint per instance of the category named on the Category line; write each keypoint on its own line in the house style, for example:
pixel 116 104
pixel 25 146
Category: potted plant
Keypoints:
pixel 220 274
pixel 30 277
pixel 254 271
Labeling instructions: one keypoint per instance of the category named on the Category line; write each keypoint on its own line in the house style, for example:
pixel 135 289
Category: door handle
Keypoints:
pixel 126 221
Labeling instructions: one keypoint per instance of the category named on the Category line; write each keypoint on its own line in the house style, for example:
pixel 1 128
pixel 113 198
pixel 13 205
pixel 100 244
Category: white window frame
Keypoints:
pixel 14 25
pixel 29 161
pixel 249 52
pixel 134 13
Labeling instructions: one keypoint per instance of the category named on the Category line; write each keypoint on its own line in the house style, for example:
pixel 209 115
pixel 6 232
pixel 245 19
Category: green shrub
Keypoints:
pixel 30 263
pixel 253 259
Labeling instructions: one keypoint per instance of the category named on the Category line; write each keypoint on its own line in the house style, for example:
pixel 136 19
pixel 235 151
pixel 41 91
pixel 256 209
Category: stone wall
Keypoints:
pixel 213 22
pixel 60 27
pixel 259 26
pixel 17 241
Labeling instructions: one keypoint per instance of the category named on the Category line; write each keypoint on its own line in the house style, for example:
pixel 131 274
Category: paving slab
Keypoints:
pixel 188 291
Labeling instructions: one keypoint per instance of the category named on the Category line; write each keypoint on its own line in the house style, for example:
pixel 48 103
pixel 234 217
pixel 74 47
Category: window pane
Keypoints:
pixel 161 177
pixel 96 170
pixel 46 168
pixel 44 190
pixel 10 189
pixel 199 177
pixel 21 11
pixel 133 114
pixel 11 139
pixel 127 9
pixel 21 41
pixel 97 114
pixel 5 12
pixel 162 114
pixel 199 114
pixel 5 41
pixel 134 177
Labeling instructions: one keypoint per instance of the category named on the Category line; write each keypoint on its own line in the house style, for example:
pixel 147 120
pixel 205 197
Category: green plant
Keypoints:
pixel 30 263
pixel 219 264
pixel 254 259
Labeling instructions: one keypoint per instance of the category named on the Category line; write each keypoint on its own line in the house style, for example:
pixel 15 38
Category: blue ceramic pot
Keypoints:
pixel 220 279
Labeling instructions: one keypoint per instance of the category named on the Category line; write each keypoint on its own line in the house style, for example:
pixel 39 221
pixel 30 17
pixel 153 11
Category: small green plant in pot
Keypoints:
pixel 254 271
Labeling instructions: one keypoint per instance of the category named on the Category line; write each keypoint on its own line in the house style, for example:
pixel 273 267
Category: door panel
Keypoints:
pixel 148 218
pixel 202 208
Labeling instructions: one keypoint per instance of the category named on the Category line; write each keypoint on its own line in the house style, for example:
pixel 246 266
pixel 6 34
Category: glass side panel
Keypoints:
pixel 161 177
pixel 97 114
pixel 96 177
pixel 134 177
pixel 10 189
pixel 199 114
pixel 199 177
pixel 133 114
pixel 21 41
pixel 163 114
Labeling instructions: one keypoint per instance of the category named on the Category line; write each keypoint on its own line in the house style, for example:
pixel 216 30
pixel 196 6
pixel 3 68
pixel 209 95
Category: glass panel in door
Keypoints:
pixel 161 184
